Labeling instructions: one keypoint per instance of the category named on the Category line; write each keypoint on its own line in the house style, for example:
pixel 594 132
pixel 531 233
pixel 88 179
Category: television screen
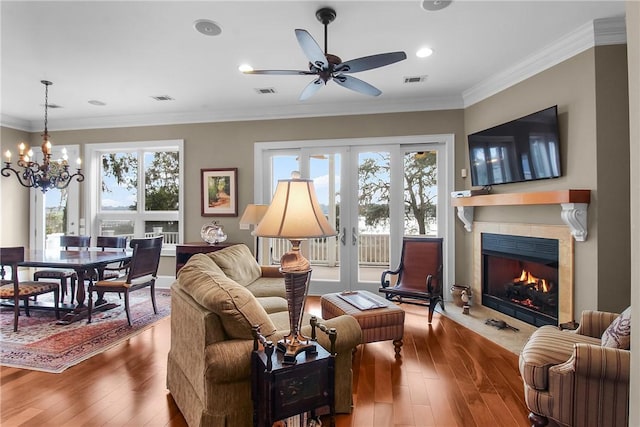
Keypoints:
pixel 524 149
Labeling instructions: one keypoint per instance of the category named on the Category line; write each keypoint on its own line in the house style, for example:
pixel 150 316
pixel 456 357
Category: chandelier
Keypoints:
pixel 45 175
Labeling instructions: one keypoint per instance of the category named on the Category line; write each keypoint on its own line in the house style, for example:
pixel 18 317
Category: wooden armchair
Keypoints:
pixel 419 275
pixel 18 290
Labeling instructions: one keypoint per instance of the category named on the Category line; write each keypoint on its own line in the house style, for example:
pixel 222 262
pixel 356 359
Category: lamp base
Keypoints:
pixel 296 284
pixel 292 349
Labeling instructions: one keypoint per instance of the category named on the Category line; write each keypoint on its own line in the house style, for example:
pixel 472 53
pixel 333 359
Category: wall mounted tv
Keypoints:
pixel 524 149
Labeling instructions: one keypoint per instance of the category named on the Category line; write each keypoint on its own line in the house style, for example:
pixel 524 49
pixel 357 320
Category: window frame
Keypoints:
pixel 93 153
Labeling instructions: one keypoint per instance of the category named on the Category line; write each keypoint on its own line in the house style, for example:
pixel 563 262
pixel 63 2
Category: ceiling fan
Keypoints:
pixel 330 67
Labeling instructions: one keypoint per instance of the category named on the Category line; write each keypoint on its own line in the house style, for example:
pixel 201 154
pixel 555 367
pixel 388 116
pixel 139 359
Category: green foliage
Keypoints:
pixel 162 184
pixel 420 177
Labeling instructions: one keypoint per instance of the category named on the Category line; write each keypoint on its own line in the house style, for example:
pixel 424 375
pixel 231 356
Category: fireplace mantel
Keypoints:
pixel 574 206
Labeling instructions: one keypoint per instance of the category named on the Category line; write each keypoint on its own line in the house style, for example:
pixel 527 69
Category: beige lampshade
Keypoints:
pixel 294 213
pixel 253 214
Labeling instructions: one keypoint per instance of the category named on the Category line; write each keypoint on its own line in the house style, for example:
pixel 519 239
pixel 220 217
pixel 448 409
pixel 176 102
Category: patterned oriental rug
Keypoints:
pixel 42 345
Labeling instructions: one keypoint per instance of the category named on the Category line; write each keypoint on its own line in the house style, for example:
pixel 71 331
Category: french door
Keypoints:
pixel 55 212
pixel 373 191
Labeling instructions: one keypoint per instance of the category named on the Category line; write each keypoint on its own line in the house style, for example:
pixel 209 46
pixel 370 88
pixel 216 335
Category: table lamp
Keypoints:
pixel 294 214
pixel 252 216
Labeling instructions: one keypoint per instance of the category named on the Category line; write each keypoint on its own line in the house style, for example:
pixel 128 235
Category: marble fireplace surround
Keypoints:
pixel 565 258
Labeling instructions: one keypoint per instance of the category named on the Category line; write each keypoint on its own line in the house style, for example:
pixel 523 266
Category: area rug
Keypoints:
pixel 41 344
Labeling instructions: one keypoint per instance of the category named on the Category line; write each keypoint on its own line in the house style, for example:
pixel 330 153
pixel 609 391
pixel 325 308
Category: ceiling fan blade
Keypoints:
pixel 357 85
pixel 370 62
pixel 311 88
pixel 280 72
pixel 311 49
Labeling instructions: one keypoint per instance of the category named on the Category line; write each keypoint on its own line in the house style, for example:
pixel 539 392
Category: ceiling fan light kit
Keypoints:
pixel 328 67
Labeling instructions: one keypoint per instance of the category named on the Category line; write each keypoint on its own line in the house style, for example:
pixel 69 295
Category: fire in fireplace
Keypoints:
pixel 520 277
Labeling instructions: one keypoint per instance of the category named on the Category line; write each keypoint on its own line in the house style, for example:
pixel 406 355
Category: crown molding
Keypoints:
pixel 596 33
pixel 285 112
pixel 15 123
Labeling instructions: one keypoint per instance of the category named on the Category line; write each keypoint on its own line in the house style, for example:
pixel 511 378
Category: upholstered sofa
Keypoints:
pixel 215 300
pixel 579 378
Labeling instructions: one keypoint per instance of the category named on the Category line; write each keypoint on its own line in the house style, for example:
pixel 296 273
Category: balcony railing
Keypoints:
pixel 373 249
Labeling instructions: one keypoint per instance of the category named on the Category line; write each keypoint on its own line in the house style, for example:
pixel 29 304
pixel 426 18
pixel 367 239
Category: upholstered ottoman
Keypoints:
pixel 380 320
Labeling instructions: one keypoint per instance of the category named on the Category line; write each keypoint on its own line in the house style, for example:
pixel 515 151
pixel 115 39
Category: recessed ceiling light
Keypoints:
pixel 432 5
pixel 207 27
pixel 245 68
pixel 424 52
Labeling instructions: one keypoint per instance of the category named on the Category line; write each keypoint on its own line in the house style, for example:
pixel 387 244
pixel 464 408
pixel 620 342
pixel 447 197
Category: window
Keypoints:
pixel 137 190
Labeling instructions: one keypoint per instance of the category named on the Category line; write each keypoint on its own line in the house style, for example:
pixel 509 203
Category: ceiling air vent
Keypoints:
pixel 415 79
pixel 163 98
pixel 265 90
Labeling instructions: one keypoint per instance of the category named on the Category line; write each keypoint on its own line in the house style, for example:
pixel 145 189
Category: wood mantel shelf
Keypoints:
pixel 574 206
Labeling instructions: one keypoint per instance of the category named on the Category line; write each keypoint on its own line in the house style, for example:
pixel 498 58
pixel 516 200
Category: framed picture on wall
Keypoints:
pixel 219 192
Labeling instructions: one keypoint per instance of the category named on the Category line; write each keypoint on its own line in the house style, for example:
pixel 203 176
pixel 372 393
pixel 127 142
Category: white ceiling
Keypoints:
pixel 123 53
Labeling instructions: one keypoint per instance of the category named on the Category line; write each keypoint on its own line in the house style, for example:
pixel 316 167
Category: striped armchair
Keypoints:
pixel 571 378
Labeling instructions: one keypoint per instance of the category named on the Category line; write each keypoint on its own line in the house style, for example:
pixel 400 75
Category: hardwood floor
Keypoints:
pixel 447 376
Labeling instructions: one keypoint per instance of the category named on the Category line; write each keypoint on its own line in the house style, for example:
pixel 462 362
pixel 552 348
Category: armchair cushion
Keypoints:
pixel 238 309
pixel 618 334
pixel 238 263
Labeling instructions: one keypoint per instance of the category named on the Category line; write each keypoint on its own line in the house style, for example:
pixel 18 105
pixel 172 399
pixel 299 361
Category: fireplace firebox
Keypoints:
pixel 520 277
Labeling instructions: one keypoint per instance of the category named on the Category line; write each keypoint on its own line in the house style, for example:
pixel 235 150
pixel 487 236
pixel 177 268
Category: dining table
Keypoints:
pixel 84 263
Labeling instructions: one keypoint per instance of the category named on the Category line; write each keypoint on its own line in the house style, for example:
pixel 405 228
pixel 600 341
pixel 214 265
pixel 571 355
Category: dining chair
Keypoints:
pixel 418 278
pixel 18 290
pixel 113 244
pixel 66 243
pixel 142 273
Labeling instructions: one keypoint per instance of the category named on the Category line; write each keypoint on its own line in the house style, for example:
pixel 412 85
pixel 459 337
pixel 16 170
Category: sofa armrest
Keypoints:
pixel 270 271
pixel 228 361
pixel 594 323
pixel 349 334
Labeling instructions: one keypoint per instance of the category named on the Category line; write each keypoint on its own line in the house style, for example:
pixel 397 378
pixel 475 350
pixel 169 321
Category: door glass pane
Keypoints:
pixel 55 205
pixel 420 193
pixel 281 168
pixel 324 254
pixel 372 233
pixel 119 182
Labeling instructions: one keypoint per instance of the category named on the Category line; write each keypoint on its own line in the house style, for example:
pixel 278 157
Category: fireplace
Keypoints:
pixel 520 277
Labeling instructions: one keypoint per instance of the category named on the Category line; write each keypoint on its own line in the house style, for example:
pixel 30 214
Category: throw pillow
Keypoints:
pixel 238 263
pixel 237 308
pixel 618 334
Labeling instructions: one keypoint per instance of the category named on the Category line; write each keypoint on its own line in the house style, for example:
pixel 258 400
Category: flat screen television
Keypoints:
pixel 524 149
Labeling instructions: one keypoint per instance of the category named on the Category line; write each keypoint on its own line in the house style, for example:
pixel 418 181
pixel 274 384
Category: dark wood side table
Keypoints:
pixel 280 391
pixel 187 250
